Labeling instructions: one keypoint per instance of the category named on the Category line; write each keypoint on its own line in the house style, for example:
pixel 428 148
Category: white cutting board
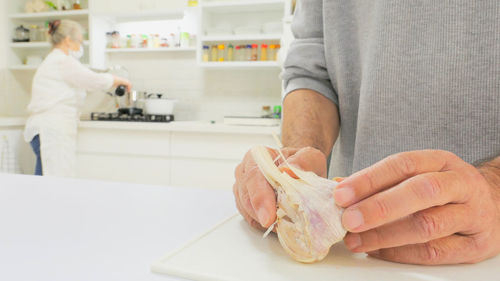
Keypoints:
pixel 233 251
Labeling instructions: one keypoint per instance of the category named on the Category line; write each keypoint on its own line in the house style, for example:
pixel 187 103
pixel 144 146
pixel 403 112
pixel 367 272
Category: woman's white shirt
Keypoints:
pixel 59 91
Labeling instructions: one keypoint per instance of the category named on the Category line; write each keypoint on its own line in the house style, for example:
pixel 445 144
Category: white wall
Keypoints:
pixel 202 94
pixel 14 87
pixel 3 53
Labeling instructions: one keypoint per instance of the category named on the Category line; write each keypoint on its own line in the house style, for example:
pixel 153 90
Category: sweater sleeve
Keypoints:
pixel 79 76
pixel 305 65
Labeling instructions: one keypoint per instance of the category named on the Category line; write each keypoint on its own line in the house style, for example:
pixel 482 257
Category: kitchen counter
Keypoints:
pixel 65 229
pixel 181 126
pixel 12 121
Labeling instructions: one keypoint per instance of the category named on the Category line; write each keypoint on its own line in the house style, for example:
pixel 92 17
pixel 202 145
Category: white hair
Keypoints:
pixel 66 28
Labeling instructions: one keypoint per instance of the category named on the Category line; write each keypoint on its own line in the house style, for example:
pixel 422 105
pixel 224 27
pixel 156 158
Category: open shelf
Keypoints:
pixel 241 64
pixel 144 16
pixel 243 37
pixel 23 67
pixel 28 45
pixel 229 6
pixel 152 50
pixel 73 14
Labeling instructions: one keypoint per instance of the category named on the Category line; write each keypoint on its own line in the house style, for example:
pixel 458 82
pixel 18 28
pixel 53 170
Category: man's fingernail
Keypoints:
pixel 262 215
pixel 353 241
pixel 343 195
pixel 352 219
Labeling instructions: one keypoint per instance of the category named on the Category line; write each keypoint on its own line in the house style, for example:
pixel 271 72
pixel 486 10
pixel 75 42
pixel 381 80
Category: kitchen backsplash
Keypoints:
pixel 202 94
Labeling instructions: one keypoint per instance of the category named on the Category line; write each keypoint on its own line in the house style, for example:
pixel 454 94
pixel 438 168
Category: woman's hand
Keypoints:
pixel 255 198
pixel 118 81
pixel 422 207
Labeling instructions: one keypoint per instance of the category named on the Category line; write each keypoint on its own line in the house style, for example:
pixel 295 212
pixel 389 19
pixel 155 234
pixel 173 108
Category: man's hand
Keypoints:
pixel 255 198
pixel 422 207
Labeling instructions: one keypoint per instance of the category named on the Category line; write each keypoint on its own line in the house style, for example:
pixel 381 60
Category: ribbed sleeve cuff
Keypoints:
pixel 324 88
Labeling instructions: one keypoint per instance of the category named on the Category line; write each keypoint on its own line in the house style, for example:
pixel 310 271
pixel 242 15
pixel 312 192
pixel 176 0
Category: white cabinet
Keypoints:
pixel 15 155
pixel 209 160
pixel 169 156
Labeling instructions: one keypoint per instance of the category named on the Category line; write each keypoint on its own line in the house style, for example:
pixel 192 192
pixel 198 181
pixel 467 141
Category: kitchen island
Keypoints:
pixel 62 229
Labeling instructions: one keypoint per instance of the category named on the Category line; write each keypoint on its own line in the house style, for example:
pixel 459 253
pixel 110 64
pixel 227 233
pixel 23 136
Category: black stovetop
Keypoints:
pixel 115 116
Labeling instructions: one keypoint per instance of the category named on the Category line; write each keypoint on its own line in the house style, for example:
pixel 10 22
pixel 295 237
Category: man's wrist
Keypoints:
pixel 490 170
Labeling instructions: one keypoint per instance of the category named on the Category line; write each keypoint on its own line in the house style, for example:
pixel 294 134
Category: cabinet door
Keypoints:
pixel 203 173
pixel 208 160
pixel 124 168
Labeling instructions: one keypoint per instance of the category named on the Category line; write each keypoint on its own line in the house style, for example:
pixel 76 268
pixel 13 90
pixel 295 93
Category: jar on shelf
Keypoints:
pixel 135 41
pixel 254 53
pixel 271 53
pixel 220 54
pixel 206 53
pixel 156 41
pixel 263 52
pixel 237 53
pixel 34 33
pixel 230 52
pixel 213 53
pixel 248 52
pixel 185 40
pixel 115 42
pixel 77 5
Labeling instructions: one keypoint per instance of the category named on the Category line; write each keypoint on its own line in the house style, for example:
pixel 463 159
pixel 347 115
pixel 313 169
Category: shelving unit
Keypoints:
pixel 19 51
pixel 146 50
pixel 30 45
pixel 72 14
pixel 143 16
pixel 23 67
pixel 241 65
pixel 239 38
pixel 217 14
pixel 229 6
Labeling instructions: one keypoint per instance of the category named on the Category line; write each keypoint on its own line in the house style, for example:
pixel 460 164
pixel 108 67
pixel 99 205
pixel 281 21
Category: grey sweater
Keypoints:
pixel 405 74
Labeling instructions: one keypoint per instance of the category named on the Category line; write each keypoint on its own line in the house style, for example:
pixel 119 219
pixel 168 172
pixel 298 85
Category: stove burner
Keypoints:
pixel 115 116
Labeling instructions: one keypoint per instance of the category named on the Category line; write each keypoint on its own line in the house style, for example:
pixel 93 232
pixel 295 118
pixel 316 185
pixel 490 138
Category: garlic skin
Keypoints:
pixel 308 220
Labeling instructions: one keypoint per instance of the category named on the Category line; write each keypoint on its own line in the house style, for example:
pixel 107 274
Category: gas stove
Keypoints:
pixel 115 116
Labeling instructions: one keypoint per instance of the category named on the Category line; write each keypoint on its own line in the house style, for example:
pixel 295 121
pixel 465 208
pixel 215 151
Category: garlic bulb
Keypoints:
pixel 308 220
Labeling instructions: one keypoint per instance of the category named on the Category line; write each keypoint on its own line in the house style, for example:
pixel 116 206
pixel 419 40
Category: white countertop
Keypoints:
pixel 62 229
pixel 178 126
pixel 12 121
pixel 181 126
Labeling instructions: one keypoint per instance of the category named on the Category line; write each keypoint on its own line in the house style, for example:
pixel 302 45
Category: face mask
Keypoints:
pixel 77 54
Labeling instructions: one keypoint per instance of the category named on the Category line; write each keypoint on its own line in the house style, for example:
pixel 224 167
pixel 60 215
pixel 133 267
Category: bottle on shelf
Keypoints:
pixel 206 53
pixel 276 53
pixel 185 40
pixel 263 52
pixel 220 54
pixel 230 52
pixel 213 53
pixel 237 53
pixel 254 53
pixel 271 54
pixel 248 52
pixel 77 5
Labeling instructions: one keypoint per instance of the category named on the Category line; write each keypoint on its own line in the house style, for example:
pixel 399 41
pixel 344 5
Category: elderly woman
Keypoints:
pixel 58 93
